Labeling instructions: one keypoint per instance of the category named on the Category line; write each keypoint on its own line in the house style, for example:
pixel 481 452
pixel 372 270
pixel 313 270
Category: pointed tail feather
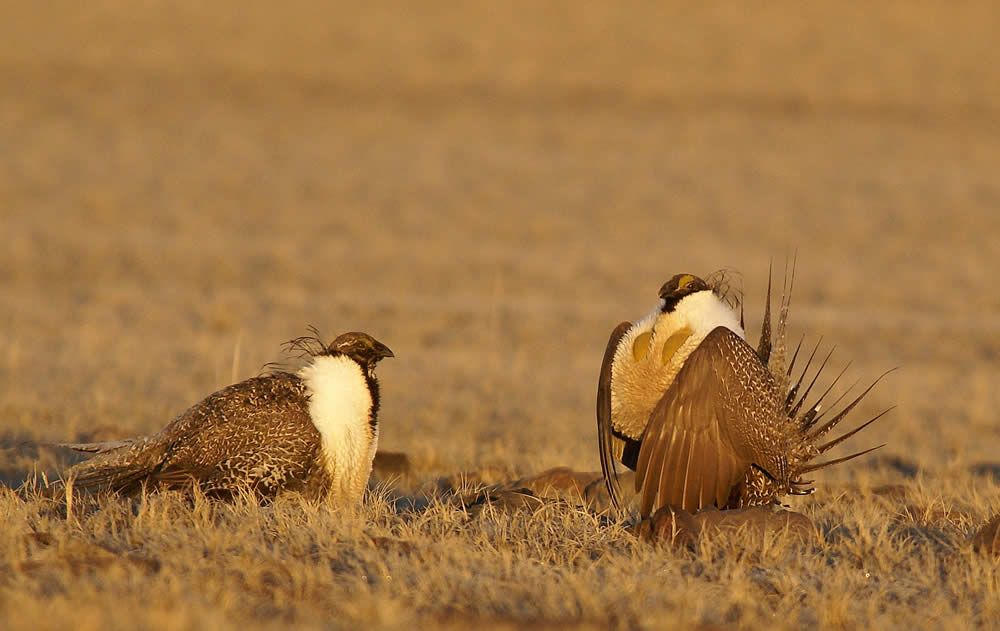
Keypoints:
pixel 118 466
pixel 97 448
pixel 826 427
pixel 794 390
pixel 765 343
pixel 812 416
pixel 822 449
pixel 809 437
pixel 795 409
pixel 806 424
pixel 830 463
pixel 791 364
pixel 122 477
pixel 779 348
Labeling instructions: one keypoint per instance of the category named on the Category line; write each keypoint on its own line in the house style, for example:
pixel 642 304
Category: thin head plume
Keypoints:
pixel 316 335
pixel 302 347
pixel 271 368
pixel 764 346
pixel 306 345
pixel 721 284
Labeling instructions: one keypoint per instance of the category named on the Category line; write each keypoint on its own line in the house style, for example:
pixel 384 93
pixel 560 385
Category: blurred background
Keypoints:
pixel 489 188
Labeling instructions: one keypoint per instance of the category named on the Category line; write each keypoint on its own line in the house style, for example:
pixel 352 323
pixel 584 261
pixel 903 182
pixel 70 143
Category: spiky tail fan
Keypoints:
pixel 121 466
pixel 807 421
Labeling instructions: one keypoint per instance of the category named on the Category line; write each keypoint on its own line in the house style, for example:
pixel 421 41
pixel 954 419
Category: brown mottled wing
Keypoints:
pixel 604 436
pixel 256 434
pixel 690 456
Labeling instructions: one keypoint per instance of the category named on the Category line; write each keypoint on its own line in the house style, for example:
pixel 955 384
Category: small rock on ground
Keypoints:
pixel 681 528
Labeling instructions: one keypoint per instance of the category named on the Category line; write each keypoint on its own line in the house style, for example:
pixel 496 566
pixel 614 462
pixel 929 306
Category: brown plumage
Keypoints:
pixel 715 422
pixel 313 432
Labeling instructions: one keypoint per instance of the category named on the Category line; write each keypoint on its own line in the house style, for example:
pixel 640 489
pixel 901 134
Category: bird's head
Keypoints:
pixel 688 302
pixel 679 287
pixel 360 347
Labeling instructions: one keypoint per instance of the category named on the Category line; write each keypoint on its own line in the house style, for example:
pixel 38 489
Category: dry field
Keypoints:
pixel 489 189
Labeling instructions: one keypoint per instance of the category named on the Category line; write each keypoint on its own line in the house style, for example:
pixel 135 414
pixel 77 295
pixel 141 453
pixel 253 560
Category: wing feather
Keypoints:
pixel 687 451
pixel 657 462
pixel 605 437
pixel 723 474
pixel 691 491
pixel 671 471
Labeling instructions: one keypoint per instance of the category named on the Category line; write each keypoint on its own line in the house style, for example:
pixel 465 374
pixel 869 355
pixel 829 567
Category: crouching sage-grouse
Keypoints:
pixel 314 431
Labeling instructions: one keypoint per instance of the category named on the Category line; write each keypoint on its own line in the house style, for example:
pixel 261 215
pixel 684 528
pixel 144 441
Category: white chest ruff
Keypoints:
pixel 638 384
pixel 340 405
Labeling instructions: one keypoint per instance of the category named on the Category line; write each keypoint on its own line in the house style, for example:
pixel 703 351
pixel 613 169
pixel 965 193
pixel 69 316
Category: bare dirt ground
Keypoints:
pixel 490 189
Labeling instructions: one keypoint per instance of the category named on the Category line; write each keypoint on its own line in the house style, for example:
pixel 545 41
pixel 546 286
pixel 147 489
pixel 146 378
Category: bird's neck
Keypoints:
pixel 701 312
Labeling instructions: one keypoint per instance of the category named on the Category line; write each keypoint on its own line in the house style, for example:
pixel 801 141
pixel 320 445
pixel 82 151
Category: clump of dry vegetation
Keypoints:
pixel 416 555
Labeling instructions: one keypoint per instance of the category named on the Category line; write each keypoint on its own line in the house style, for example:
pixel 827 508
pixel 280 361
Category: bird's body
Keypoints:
pixel 702 418
pixel 314 431
pixel 658 353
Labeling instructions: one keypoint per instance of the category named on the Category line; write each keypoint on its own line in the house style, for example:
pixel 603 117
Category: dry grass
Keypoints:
pixel 184 186
pixel 164 561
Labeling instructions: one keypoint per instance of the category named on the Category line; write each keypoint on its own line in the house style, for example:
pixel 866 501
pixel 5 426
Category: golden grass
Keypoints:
pixel 164 560
pixel 183 186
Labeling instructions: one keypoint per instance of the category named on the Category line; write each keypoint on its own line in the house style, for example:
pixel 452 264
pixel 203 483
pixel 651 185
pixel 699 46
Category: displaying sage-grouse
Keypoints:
pixel 701 417
pixel 314 431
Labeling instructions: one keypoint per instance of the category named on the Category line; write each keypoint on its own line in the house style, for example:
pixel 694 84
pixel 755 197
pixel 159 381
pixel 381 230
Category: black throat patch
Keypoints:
pixel 372 382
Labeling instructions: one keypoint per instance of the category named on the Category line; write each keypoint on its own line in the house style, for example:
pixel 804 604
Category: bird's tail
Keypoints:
pixel 809 423
pixel 121 466
pixel 97 448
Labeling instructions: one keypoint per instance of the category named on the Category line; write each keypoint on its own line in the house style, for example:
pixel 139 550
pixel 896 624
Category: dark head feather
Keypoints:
pixel 361 347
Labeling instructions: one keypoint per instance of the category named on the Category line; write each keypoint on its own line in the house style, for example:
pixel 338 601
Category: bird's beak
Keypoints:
pixel 383 351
